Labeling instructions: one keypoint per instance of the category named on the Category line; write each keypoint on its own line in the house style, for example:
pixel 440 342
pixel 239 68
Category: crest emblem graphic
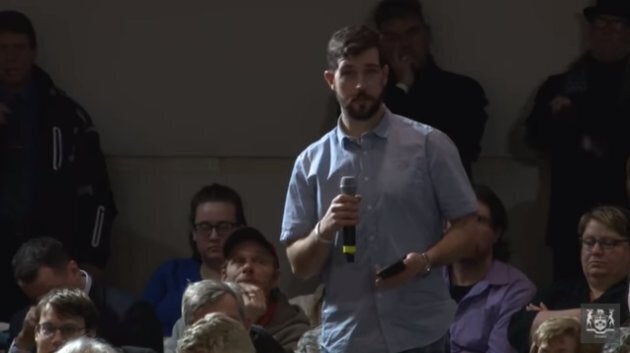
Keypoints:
pixel 599 321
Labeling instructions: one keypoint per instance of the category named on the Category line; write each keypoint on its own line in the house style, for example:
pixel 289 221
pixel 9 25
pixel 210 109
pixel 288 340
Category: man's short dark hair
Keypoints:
pixel 17 22
pixel 70 303
pixel 351 41
pixel 214 193
pixel 37 253
pixel 390 9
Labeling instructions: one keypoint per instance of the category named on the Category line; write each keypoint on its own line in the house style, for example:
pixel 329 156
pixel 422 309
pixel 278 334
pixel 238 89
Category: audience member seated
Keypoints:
pixel 210 296
pixel 605 255
pixel 53 177
pixel 251 259
pixel 215 333
pixel 42 264
pixel 487 290
pixel 418 89
pixel 215 211
pixel 60 315
pixel 556 335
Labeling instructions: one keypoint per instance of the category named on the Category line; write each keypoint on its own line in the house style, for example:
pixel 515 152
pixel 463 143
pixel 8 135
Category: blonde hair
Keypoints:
pixel 215 333
pixel 87 345
pixel 555 327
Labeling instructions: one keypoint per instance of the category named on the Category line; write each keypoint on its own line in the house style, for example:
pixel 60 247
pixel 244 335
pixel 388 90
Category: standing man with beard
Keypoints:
pixel 410 180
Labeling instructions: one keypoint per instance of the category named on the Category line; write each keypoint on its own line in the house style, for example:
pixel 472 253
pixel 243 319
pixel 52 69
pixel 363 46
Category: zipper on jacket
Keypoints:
pixel 57 148
pixel 98 226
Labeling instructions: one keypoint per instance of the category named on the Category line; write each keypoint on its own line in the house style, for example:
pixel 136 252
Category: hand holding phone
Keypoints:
pixel 391 270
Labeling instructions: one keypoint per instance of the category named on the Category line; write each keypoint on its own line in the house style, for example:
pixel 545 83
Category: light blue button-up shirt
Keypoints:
pixel 411 180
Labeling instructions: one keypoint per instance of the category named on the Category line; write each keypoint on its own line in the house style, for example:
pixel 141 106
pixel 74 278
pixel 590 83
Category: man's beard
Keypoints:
pixel 364 109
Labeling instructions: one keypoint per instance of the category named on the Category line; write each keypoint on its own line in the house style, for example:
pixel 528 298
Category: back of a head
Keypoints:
pixel 87 345
pixel 17 22
pixel 205 292
pixel 70 303
pixel 35 253
pixel 554 328
pixel 394 9
pixel 215 333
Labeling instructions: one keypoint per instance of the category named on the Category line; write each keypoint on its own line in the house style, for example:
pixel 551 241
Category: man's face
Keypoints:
pixel 54 330
pixel 214 222
pixel 358 83
pixel 405 38
pixel 49 278
pixel 609 38
pixel 608 263
pixel 226 305
pixel 251 263
pixel 16 59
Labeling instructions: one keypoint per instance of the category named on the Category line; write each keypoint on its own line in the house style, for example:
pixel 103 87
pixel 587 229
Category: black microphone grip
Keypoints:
pixel 348 186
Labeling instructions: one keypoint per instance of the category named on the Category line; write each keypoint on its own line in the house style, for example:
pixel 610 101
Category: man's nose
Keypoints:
pixel 597 248
pixel 248 267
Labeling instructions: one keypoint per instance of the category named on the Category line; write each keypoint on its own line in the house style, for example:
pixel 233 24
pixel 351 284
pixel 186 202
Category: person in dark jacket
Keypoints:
pixel 419 89
pixel 605 258
pixel 42 264
pixel 53 177
pixel 579 123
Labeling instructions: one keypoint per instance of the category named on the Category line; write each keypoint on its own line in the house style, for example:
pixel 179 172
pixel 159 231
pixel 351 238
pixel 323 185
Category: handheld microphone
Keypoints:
pixel 348 186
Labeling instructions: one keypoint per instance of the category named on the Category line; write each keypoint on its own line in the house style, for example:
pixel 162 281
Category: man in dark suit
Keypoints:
pixel 42 264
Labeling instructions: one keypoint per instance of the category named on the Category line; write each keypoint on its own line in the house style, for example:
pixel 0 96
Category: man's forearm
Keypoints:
pixel 307 255
pixel 462 240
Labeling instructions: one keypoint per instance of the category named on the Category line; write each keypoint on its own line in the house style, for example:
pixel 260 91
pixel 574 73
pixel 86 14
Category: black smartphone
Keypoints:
pixel 391 270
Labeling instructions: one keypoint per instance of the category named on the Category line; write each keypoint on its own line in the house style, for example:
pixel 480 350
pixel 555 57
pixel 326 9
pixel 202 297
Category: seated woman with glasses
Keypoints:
pixel 605 255
pixel 61 315
pixel 215 212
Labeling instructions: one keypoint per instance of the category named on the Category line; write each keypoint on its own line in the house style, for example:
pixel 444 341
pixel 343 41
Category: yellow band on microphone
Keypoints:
pixel 349 249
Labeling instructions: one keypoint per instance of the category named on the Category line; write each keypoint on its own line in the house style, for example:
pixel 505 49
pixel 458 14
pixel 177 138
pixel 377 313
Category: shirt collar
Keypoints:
pixel 381 130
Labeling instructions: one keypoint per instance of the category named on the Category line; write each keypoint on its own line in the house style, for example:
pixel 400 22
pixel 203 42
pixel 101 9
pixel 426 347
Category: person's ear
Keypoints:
pixel 329 77
pixel 74 274
pixel 73 268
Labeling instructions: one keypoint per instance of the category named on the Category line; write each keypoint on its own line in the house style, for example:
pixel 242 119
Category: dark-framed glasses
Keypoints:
pixel 48 330
pixel 604 243
pixel 222 228
pixel 617 23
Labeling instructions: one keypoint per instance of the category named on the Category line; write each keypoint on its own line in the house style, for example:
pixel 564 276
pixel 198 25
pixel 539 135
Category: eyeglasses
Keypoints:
pixel 606 244
pixel 616 23
pixel 222 228
pixel 48 330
